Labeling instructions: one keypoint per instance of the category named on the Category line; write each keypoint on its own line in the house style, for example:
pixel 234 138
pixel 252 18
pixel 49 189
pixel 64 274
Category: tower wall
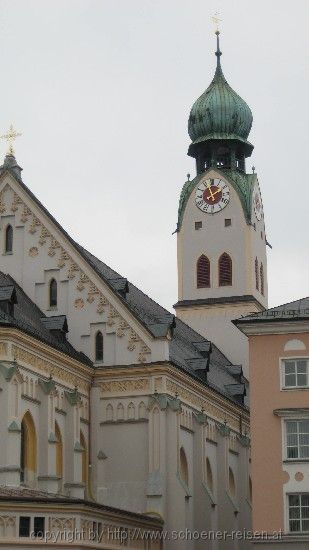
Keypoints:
pixel 239 233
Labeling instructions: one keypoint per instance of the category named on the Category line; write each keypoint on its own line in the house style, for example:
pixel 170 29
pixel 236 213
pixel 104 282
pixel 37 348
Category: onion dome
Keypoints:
pixel 219 113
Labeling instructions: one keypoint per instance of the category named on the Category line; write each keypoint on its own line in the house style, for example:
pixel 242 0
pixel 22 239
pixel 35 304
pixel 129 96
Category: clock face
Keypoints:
pixel 257 203
pixel 212 195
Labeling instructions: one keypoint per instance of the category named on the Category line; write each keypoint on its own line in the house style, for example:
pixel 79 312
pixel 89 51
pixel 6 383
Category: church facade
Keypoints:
pixel 117 417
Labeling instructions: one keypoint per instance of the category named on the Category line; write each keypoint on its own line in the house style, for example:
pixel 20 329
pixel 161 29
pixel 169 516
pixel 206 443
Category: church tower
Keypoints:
pixel 221 242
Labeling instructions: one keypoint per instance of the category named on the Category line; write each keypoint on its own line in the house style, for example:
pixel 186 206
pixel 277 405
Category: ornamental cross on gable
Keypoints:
pixel 10 137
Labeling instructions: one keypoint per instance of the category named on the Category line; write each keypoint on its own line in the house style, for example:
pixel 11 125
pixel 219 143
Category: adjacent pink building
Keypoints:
pixel 279 388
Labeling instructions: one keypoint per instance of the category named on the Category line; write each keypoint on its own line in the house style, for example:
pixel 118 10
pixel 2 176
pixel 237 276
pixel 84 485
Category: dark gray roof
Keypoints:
pixel 188 349
pixel 30 319
pixel 55 322
pixel 7 294
pixel 297 310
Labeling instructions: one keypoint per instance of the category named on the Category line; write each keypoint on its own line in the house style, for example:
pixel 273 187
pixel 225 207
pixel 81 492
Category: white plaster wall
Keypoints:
pixel 35 262
pixel 126 465
pixel 241 241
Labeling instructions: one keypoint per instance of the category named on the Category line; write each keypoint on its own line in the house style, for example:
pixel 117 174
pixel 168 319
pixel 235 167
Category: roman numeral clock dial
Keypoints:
pixel 212 195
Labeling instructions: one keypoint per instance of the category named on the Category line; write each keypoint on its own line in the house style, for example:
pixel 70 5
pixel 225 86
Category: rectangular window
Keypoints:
pixel 299 513
pixel 24 526
pixel 297 439
pixel 198 225
pixel 39 527
pixel 295 373
pixel 227 222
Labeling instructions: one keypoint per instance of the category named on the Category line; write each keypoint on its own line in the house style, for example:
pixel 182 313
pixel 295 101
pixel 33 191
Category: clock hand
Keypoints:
pixel 210 191
pixel 212 194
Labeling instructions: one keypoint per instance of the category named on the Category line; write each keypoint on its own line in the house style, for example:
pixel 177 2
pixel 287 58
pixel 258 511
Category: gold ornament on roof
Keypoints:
pixel 10 137
pixel 216 19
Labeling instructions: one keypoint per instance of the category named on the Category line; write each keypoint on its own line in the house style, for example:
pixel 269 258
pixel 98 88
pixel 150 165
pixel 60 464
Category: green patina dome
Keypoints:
pixel 219 113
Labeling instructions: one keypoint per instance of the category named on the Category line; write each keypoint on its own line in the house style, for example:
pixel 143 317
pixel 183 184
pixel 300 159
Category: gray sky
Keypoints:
pixel 102 90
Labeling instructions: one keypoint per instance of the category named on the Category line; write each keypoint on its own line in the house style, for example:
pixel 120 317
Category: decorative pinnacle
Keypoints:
pixel 10 137
pixel 216 21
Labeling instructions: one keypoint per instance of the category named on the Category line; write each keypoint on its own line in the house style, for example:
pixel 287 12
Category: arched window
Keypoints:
pixel 225 270
pixel 262 279
pixel 28 450
pixel 183 467
pixel 84 460
pixel 203 272
pixel 256 269
pixel 53 293
pixel 59 452
pixel 232 486
pixel 9 239
pixel 209 478
pixel 99 346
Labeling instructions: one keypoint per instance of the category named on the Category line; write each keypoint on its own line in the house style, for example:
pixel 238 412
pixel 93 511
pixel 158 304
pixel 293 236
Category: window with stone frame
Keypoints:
pixel 298 505
pixel 295 373
pixel 297 439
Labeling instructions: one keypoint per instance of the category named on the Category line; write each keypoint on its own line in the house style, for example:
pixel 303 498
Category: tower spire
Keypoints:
pixel 218 52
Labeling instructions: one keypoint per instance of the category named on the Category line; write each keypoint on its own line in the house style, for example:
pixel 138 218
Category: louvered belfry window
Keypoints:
pixel 262 279
pixel 256 265
pixel 203 272
pixel 225 270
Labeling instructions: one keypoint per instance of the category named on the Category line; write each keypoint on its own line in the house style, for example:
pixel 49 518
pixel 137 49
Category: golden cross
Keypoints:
pixel 10 137
pixel 216 20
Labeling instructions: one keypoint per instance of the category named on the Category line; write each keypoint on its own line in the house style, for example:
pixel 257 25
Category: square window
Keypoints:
pixel 39 526
pixel 297 439
pixel 295 373
pixel 24 526
pixel 198 225
pixel 227 222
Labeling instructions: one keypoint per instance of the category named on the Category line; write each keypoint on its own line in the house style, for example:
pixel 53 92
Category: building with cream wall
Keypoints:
pixel 279 385
pixel 144 416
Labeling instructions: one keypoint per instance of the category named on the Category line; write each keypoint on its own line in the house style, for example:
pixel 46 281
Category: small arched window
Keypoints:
pixel 28 450
pixel 225 270
pixel 183 467
pixel 262 279
pixel 209 477
pixel 203 272
pixel 59 451
pixel 53 293
pixel 256 269
pixel 84 461
pixel 9 239
pixel 99 346
pixel 232 486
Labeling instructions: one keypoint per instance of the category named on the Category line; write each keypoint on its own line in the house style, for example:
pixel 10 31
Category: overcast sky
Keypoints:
pixel 102 90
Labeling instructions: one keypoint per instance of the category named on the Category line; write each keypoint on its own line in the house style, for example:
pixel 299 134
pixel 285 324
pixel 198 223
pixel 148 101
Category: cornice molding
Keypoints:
pixel 269 326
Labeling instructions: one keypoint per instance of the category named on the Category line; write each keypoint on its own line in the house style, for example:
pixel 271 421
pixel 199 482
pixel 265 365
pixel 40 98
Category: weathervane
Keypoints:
pixel 216 21
pixel 10 137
